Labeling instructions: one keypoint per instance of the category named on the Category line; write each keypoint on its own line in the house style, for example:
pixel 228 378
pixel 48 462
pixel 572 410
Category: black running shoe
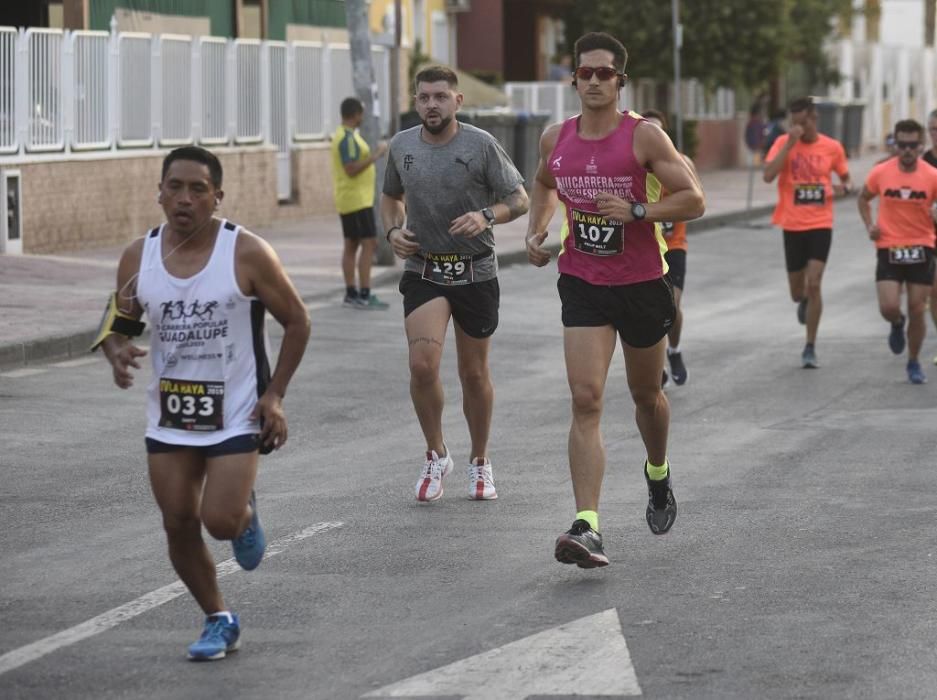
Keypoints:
pixel 802 311
pixel 677 368
pixel 581 546
pixel 896 337
pixel 661 505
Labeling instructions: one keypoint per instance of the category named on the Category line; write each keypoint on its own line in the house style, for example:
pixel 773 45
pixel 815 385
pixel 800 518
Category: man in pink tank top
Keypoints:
pixel 608 168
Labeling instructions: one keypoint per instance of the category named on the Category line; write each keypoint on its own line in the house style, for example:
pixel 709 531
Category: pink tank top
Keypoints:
pixel 598 250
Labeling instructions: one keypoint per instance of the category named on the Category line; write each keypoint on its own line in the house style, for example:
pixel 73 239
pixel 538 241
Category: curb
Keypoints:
pixel 76 344
pixel 707 223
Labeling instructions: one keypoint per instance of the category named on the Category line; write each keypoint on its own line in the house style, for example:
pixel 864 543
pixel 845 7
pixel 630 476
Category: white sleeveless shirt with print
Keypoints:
pixel 208 347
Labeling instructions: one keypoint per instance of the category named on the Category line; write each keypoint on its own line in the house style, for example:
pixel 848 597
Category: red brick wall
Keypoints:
pixel 480 37
pixel 718 145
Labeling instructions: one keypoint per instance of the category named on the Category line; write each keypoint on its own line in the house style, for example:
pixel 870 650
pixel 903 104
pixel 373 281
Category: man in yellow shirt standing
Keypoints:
pixel 353 175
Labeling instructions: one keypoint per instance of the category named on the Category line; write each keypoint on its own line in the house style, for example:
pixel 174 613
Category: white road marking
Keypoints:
pixel 80 362
pixel 18 373
pixel 546 663
pixel 153 599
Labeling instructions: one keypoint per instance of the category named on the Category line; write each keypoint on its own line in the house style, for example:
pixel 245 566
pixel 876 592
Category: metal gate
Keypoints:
pixel 279 125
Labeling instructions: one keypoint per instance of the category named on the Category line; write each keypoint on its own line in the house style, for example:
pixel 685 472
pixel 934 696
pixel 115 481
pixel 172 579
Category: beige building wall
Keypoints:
pixel 83 203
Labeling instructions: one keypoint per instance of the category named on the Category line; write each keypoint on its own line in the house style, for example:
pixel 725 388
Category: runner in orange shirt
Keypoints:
pixel 805 159
pixel 904 239
pixel 675 236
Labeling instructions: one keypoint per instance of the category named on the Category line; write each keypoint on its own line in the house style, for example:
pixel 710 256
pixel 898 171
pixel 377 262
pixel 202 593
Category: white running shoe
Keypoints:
pixel 481 481
pixel 429 487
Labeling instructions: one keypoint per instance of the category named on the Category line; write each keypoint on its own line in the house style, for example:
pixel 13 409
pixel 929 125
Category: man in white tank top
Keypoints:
pixel 205 285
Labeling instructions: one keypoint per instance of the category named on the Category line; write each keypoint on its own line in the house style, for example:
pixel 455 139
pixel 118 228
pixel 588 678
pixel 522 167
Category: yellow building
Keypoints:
pixel 426 21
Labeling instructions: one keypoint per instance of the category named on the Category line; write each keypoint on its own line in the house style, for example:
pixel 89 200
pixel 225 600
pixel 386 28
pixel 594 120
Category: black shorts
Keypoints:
pixel 359 224
pixel 676 261
pixel 642 313
pixel 801 246
pixel 916 273
pixel 474 306
pixel 239 444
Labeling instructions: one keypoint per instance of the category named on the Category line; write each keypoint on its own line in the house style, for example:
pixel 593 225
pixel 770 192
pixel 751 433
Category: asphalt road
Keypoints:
pixel 801 564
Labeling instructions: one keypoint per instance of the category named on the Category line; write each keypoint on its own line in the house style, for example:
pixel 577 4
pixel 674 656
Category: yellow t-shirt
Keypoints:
pixel 351 193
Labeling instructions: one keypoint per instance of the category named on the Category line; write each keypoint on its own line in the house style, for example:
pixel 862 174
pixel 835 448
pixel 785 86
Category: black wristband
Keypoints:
pixel 390 231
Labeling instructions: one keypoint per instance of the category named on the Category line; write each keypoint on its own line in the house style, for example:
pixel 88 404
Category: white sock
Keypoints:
pixel 223 613
pixel 673 351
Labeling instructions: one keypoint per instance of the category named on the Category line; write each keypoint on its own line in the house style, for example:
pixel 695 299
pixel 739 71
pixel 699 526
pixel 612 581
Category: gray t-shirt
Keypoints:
pixel 443 182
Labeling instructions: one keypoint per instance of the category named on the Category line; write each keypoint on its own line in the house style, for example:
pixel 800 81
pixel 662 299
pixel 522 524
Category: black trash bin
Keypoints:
pixel 498 123
pixel 852 127
pixel 527 134
pixel 829 118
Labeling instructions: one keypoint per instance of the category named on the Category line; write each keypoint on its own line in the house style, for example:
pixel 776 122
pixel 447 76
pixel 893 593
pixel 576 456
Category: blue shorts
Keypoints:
pixel 239 444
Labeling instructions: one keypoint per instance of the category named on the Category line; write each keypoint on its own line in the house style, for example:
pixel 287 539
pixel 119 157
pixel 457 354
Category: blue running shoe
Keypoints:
pixel 802 311
pixel 896 338
pixel 249 546
pixel 222 634
pixel 808 357
pixel 915 373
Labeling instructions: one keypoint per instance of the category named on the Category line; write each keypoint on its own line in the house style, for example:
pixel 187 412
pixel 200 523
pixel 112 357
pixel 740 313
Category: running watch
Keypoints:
pixel 489 216
pixel 638 211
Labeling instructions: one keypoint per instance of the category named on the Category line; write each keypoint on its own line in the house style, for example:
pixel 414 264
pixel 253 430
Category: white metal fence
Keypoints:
pixel 69 91
pixel 561 101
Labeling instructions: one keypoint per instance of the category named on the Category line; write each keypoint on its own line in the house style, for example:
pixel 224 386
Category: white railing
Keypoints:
pixel 309 63
pixel 212 81
pixel 174 60
pixel 91 98
pixel 248 91
pixel 8 82
pixel 135 93
pixel 559 99
pixel 84 91
pixel 44 58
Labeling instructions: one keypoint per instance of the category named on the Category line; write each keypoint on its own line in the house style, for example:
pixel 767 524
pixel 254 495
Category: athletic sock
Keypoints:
pixel 655 473
pixel 673 351
pixel 591 517
pixel 223 613
pixel 351 292
pixel 365 292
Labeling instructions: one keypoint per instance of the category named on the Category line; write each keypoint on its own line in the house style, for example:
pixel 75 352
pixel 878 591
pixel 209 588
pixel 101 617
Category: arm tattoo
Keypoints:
pixel 424 339
pixel 517 203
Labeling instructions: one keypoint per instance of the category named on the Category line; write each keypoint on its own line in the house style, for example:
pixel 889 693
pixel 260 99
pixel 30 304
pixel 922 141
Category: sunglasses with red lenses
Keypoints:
pixel 602 72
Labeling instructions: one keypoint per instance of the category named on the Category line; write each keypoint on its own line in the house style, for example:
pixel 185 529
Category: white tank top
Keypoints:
pixel 208 346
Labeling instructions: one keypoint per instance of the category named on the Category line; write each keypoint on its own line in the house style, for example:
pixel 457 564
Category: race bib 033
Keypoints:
pixel 186 404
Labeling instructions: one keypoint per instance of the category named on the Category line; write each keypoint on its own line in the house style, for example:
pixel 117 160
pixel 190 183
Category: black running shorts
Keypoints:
pixel 642 313
pixel 916 273
pixel 474 306
pixel 801 246
pixel 676 261
pixel 239 444
pixel 359 224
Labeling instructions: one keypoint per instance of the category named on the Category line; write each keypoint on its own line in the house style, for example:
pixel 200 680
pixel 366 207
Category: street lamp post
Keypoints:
pixel 677 44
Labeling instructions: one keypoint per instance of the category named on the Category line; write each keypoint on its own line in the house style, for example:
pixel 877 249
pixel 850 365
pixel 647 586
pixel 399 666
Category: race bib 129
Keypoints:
pixel 448 268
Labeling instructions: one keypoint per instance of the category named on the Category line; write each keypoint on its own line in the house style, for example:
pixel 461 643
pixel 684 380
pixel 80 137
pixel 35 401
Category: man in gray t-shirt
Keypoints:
pixel 445 186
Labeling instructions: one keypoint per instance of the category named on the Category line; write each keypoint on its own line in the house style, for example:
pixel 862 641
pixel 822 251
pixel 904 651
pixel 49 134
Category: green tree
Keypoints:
pixel 736 43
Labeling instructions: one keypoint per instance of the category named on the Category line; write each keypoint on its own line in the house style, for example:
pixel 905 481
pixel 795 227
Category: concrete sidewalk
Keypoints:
pixel 51 304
